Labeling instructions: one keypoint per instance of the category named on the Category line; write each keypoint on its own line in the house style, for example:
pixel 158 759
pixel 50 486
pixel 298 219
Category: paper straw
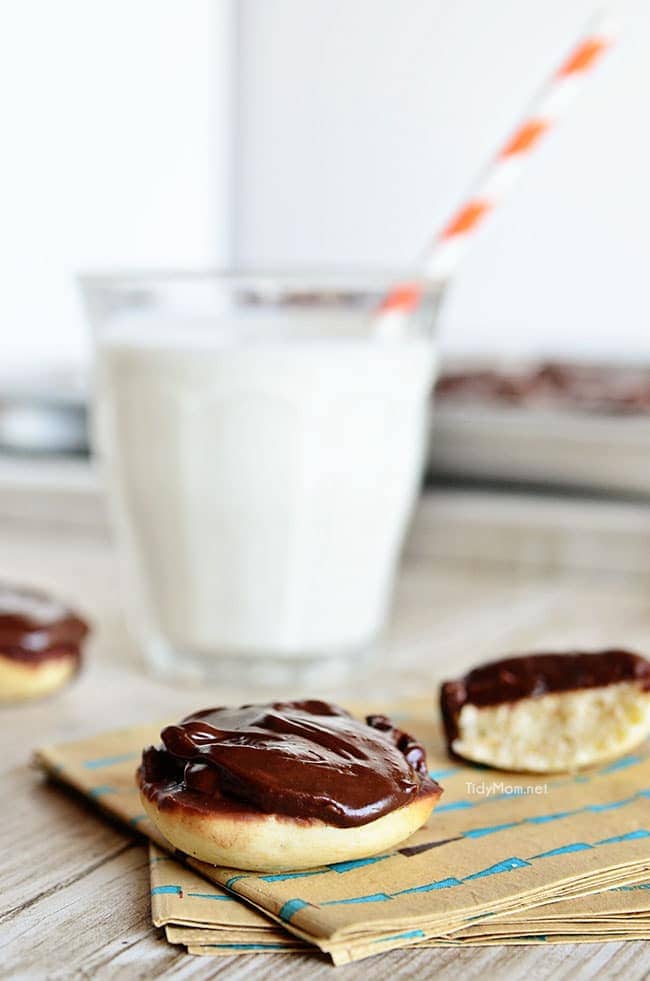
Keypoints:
pixel 441 257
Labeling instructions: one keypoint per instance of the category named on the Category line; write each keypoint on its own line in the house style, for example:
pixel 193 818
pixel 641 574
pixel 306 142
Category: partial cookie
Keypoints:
pixel 547 713
pixel 286 786
pixel 40 644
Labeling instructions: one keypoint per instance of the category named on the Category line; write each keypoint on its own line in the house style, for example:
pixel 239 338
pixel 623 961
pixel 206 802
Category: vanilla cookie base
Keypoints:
pixel 22 680
pixel 277 843
pixel 556 732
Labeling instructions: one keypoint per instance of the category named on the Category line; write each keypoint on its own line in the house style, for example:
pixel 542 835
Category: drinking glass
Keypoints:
pixel 261 443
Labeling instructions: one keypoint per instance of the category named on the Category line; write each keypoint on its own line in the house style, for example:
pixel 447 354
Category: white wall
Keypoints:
pixel 361 123
pixel 115 150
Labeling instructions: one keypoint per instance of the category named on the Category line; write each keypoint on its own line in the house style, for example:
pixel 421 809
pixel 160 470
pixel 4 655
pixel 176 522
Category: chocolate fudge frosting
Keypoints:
pixel 304 759
pixel 35 627
pixel 533 675
pixel 574 385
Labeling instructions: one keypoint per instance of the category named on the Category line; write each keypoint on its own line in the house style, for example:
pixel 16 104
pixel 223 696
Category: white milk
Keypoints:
pixel 264 472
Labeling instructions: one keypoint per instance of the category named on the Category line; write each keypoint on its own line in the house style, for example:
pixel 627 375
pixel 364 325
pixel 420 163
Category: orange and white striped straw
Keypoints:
pixel 441 257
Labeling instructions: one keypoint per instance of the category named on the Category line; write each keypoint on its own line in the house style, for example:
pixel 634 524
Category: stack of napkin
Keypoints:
pixel 504 859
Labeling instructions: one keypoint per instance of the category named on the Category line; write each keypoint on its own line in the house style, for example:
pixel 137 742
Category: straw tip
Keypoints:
pixel 402 298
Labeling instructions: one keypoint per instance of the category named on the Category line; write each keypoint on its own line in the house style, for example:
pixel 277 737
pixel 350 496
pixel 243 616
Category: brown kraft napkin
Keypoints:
pixel 601 916
pixel 497 843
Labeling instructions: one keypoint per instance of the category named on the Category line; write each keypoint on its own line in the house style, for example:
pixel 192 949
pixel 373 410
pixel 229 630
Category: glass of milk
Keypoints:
pixel 262 446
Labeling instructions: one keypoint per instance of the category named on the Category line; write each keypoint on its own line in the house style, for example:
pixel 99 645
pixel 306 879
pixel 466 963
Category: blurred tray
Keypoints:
pixel 44 414
pixel 561 446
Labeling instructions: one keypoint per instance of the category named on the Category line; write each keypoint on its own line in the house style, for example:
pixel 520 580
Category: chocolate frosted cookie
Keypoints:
pixel 40 643
pixel 544 713
pixel 289 785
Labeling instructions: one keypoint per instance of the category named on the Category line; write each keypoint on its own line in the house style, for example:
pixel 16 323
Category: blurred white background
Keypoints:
pixel 115 153
pixel 264 132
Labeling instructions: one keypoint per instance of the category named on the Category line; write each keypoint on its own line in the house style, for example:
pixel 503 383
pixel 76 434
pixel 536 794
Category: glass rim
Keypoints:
pixel 325 278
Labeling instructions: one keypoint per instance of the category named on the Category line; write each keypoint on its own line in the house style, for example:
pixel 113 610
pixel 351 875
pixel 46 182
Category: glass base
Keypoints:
pixel 259 672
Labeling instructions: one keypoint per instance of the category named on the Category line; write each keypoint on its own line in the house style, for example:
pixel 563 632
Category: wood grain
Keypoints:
pixel 75 890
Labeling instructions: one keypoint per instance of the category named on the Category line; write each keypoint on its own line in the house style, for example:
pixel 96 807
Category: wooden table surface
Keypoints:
pixel 58 857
